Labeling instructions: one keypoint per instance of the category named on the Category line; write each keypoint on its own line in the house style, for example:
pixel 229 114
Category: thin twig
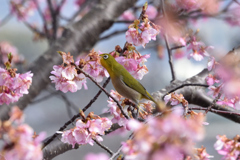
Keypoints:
pixel 119 149
pixel 54 19
pixel 75 116
pixel 83 6
pixel 104 147
pixel 96 96
pixel 116 153
pixel 214 110
pixel 109 95
pixel 214 103
pixel 170 58
pixel 113 34
pixel 168 46
pixel 43 18
pixel 45 97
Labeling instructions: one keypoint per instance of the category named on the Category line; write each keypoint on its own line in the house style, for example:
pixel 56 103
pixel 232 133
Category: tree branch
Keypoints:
pixel 76 38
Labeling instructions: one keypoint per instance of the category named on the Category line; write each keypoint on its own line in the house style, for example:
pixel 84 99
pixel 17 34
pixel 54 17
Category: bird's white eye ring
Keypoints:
pixel 105 57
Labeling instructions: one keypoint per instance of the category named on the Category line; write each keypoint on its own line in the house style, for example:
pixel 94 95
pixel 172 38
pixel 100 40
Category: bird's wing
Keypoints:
pixel 134 84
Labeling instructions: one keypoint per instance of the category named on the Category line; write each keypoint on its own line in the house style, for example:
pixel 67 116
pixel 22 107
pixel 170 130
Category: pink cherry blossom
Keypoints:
pixel 202 154
pixel 179 54
pixel 128 15
pixel 7 48
pixel 151 12
pixel 82 136
pixel 67 137
pixel 25 143
pixel 133 125
pixel 148 33
pixel 13 87
pixel 214 91
pixel 78 3
pixel 210 79
pixel 96 71
pixel 134 65
pixel 99 156
pixel 84 133
pixel 228 102
pixel 210 7
pixel 23 11
pixel 231 87
pixel 229 148
pixel 232 16
pixel 133 37
pixel 175 99
pixel 211 63
pixel 16 115
pixel 179 137
pixel 188 4
pixel 66 78
pixel 197 49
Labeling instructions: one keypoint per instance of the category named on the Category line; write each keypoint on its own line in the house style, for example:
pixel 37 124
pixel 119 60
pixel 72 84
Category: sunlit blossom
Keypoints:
pixel 229 148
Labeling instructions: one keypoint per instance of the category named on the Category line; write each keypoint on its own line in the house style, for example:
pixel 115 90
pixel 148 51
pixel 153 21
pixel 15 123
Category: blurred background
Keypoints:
pixel 49 115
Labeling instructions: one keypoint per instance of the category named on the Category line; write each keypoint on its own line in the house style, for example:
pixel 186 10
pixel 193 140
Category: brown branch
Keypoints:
pixel 49 140
pixel 54 20
pixel 168 46
pixel 76 38
pixel 43 18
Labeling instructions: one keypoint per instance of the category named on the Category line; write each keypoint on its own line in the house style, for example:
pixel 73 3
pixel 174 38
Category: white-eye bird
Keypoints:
pixel 124 83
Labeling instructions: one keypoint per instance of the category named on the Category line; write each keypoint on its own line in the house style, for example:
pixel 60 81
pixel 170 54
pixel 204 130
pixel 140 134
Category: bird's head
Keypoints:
pixel 107 61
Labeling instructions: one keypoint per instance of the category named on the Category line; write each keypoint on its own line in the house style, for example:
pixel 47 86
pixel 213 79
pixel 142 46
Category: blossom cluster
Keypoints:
pixel 20 140
pixel 229 148
pixel 13 85
pixel 197 48
pixel 114 109
pixel 224 80
pixel 134 63
pixel 67 78
pixel 86 132
pixel 168 137
pixel 91 65
pixel 201 154
pixel 141 35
